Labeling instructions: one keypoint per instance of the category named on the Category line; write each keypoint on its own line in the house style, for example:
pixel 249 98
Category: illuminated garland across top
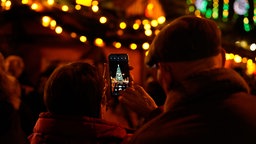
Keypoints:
pixel 143 29
pixel 125 29
pixel 135 33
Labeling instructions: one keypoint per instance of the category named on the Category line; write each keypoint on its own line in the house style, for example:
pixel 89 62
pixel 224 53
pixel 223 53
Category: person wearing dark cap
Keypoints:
pixel 206 103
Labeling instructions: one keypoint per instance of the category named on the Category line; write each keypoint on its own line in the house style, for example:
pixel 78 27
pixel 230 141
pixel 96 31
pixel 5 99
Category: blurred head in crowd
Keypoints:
pixel 14 65
pixel 74 89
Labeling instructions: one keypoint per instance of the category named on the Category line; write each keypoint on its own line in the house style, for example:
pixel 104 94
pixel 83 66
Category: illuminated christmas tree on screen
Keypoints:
pixel 119 76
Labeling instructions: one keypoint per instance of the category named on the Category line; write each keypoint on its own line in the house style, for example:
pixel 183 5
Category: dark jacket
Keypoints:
pixel 52 129
pixel 214 107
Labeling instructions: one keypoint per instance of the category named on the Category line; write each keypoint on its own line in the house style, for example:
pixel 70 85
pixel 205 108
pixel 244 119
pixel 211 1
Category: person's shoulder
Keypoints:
pixel 242 97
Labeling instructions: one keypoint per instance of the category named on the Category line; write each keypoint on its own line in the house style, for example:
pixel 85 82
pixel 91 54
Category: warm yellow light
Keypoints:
pixel 150 6
pixel 64 8
pixel 146 53
pixel 50 2
pixel 103 19
pixel 78 7
pixel 24 1
pixel 225 13
pixel 136 26
pixel 254 17
pixel 237 59
pixel 53 23
pixel 34 6
pixel 246 20
pixel 117 44
pixel 215 3
pixel 161 19
pixel 148 32
pixel 147 26
pixel 249 61
pixel 133 46
pixel 154 23
pixel 231 56
pixel 99 42
pixel 58 30
pixel 8 5
pixel 122 25
pixel 95 2
pixel 145 46
pixel 250 67
pixel 244 44
pixel 46 21
pixel 145 21
pixel 73 35
pixel 95 8
pixel 197 13
pixel 84 2
pixel 83 38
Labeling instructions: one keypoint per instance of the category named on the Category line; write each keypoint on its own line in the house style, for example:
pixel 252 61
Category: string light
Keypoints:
pixel 136 26
pixel 148 32
pixel 49 22
pixel 78 7
pixel 133 46
pixel 50 2
pixel 84 2
pixel 117 44
pixel 65 8
pixel 122 25
pixel 103 20
pixel 145 46
pixel 95 8
pixel 99 42
pixel 58 30
pixel 161 20
pixel 34 6
pixel 83 38
pixel 24 1
pixel 53 24
pixel 46 21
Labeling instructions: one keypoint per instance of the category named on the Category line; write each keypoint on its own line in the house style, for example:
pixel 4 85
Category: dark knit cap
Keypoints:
pixel 186 38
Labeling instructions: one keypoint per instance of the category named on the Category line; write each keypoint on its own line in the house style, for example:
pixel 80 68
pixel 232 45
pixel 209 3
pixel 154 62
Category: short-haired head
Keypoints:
pixel 74 89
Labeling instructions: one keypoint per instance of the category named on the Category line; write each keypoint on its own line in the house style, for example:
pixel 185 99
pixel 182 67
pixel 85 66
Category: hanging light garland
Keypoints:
pixel 150 27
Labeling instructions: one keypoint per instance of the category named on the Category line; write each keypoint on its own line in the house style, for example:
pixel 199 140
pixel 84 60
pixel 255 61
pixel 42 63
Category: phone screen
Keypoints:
pixel 118 73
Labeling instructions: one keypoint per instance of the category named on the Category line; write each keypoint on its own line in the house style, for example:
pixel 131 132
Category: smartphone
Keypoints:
pixel 119 73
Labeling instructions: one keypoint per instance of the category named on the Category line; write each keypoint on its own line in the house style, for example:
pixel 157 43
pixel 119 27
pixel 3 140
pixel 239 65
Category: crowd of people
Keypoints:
pixel 194 98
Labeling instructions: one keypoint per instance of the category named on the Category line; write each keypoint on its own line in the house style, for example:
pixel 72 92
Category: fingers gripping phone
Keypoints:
pixel 119 74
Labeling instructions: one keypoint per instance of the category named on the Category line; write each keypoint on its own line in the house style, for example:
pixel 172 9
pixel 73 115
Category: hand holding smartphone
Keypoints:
pixel 119 73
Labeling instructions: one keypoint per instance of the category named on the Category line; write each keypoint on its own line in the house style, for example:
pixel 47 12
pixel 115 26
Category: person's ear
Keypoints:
pixel 223 55
pixel 164 76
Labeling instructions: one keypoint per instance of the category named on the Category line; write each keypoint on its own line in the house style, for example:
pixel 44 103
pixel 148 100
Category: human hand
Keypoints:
pixel 138 100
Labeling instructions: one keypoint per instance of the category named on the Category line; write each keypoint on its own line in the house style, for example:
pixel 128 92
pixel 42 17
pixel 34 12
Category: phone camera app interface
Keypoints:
pixel 119 73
